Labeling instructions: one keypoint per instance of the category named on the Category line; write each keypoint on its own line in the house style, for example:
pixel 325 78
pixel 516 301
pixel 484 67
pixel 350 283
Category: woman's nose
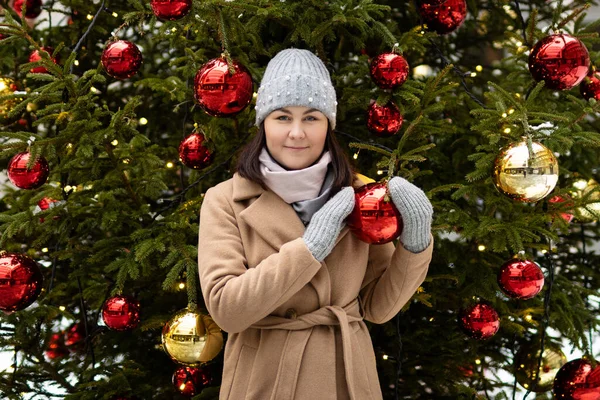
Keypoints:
pixel 297 131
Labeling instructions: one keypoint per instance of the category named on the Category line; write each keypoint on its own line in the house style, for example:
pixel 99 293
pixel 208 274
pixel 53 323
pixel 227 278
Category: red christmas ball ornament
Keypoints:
pixel 46 203
pixel 192 152
pixel 171 9
pixel 35 56
pixel 590 86
pixel 521 279
pixel 374 218
pixel 443 16
pixel 560 60
pixel 75 337
pixel 25 178
pixel 389 70
pixel 121 59
pixel 480 321
pixel 56 347
pixel 567 217
pixel 20 281
pixel 121 313
pixel 33 8
pixel 384 120
pixel 577 380
pixel 190 381
pixel 221 93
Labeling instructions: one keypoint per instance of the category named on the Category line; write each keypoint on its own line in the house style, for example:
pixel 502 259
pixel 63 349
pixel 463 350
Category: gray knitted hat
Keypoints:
pixel 296 77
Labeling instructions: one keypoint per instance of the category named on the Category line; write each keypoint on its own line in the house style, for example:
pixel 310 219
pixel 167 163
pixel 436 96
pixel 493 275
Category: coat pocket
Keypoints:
pixel 241 375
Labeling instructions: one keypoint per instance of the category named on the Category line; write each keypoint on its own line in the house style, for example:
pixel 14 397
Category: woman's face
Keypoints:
pixel 296 136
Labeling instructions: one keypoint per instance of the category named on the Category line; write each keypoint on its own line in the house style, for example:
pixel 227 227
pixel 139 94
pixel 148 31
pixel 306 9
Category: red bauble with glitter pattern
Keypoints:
pixel 389 70
pixel 521 279
pixel 567 217
pixel 220 93
pixel 33 8
pixel 384 120
pixel 590 86
pixel 190 381
pixel 75 337
pixel 192 152
pixel 20 281
pixel 121 313
pixel 374 218
pixel 577 380
pixel 443 16
pixel 56 347
pixel 560 60
pixel 121 59
pixel 35 56
pixel 171 10
pixel 480 321
pixel 25 178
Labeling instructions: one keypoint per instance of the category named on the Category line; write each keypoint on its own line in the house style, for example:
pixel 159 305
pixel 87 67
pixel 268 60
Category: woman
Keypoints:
pixel 278 269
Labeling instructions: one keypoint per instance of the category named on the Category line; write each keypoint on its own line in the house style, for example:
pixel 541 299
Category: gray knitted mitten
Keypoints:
pixel 326 224
pixel 416 212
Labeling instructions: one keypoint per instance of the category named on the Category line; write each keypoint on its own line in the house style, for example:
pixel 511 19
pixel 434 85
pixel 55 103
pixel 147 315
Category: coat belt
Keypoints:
pixel 300 330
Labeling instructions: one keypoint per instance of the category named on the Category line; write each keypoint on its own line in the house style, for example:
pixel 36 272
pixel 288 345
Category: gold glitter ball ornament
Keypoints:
pixel 192 338
pixel 588 192
pixel 526 362
pixel 524 178
pixel 7 87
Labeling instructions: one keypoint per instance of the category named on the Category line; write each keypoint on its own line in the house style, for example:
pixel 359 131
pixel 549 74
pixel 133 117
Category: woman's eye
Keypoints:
pixel 311 118
pixel 282 117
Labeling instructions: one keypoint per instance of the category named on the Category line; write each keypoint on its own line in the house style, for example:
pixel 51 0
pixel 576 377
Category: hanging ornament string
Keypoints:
pixel 88 338
pixel 523 25
pixel 586 284
pixel 546 319
pixel 80 42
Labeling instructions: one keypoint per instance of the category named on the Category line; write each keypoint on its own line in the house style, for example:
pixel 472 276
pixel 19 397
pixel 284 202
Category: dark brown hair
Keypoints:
pixel 248 165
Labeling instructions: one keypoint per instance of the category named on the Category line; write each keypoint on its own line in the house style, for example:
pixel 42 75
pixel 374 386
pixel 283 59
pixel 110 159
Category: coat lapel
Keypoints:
pixel 275 221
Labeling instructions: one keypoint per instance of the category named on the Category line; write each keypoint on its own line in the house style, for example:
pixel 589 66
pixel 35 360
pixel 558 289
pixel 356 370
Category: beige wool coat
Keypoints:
pixel 295 324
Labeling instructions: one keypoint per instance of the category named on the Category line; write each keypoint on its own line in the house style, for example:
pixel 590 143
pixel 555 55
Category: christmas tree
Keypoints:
pixel 117 116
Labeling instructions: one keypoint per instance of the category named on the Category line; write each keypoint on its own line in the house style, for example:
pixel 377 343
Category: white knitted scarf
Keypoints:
pixel 294 185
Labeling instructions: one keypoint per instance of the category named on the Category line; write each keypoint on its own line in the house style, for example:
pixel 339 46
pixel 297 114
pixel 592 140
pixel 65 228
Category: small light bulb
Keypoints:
pixel 385 357
pixel 182 387
pixel 69 146
pixel 479 68
pixel 528 318
pixel 94 90
pixel 477 361
pixel 473 74
pixel 544 251
pixel 114 14
pixel 512 110
pixel 504 115
pixel 182 285
pixel 45 250
pixel 114 142
pixel 518 95
pixel 254 95
pixel 481 247
pixel 355 156
pixel 519 44
pixel 173 30
pixel 62 308
pixel 580 184
pixel 431 319
pixel 507 130
pixel 76 62
pixel 170 164
pixel 380 172
pixel 126 161
pixel 90 17
pixel 143 121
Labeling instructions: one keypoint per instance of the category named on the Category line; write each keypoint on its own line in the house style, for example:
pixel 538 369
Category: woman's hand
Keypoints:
pixel 416 211
pixel 326 224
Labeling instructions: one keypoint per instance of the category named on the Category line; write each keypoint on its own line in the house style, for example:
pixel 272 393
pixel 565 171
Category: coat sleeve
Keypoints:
pixel 392 277
pixel 237 296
